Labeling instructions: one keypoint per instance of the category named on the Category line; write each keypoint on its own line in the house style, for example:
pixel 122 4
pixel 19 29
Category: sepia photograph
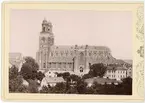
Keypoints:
pixel 71 52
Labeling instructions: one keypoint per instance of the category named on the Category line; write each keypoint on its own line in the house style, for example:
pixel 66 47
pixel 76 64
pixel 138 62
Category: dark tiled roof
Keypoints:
pixel 69 47
pixel 115 68
pixel 120 68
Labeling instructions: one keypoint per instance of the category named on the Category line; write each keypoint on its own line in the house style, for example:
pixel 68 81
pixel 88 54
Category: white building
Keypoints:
pixel 52 81
pixel 50 74
pixel 117 73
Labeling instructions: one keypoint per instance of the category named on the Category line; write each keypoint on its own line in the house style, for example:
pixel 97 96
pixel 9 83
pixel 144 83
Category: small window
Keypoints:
pixel 67 54
pixel 81 69
pixel 51 54
pixel 69 65
pixel 44 65
pixel 64 65
pixel 48 29
pixel 61 53
pixel 43 29
pixel 48 65
pixel 59 65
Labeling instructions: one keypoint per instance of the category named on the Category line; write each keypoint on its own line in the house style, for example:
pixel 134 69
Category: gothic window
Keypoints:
pixel 64 65
pixel 59 65
pixel 61 53
pixel 43 29
pixel 51 54
pixel 43 39
pixel 44 65
pixel 48 29
pixel 71 54
pixel 52 41
pixel 54 65
pixel 66 52
pixel 45 57
pixel 69 65
pixel 100 52
pixel 49 38
pixel 48 65
pixel 89 54
pixel 81 56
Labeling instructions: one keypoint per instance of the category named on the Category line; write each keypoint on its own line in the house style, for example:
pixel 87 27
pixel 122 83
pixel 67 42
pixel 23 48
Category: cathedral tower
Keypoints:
pixel 46 40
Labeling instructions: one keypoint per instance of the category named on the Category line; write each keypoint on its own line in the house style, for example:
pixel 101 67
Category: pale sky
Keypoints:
pixel 112 29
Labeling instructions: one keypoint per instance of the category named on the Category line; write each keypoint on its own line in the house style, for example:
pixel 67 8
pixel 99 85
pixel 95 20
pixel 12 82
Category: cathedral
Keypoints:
pixel 74 59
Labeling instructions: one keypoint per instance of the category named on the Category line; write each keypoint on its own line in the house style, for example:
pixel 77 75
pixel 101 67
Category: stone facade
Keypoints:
pixel 75 59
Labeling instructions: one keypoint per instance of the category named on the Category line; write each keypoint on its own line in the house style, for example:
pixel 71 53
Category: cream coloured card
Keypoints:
pixel 73 51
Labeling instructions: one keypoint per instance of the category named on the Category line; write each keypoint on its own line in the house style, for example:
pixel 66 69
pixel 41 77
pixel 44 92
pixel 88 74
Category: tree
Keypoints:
pixel 127 86
pixel 90 90
pixel 40 75
pixel 32 63
pixel 33 86
pixel 81 87
pixel 45 89
pixel 86 76
pixel 14 83
pixel 13 72
pixel 74 77
pixel 97 70
pixel 29 69
pixel 22 89
pixel 65 75
pixel 59 88
pixel 72 90
pixel 15 80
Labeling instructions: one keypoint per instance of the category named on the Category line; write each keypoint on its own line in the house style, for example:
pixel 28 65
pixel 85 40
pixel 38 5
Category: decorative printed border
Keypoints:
pixel 140 24
pixel 140 65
